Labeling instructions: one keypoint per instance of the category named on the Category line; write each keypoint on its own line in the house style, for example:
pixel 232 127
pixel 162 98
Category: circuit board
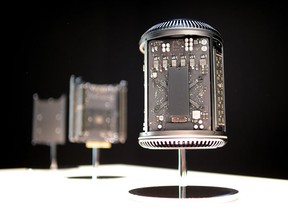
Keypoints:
pixel 97 111
pixel 179 79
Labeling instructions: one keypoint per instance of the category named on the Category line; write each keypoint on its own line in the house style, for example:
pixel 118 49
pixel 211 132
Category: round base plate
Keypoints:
pixel 90 177
pixel 186 192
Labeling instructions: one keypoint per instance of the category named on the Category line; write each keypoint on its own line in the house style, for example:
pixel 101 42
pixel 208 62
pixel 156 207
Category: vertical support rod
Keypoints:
pixel 53 156
pixel 182 163
pixel 182 171
pixel 95 161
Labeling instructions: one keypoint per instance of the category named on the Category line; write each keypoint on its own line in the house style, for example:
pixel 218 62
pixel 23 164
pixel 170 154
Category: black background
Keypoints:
pixel 99 42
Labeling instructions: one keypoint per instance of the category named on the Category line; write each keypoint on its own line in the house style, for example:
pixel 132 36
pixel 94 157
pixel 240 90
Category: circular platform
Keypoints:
pixel 191 193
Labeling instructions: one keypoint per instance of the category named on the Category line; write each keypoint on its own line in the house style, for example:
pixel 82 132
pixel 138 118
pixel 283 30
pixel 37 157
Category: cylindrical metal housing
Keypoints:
pixel 184 95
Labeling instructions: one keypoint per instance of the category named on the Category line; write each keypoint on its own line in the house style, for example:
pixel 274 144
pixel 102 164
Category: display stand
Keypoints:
pixel 185 191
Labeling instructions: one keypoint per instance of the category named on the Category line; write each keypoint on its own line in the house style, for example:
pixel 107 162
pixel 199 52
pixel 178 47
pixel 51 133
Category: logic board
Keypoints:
pixel 179 83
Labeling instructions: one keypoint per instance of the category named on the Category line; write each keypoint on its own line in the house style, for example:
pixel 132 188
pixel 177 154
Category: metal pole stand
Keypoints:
pixel 183 190
pixel 183 172
pixel 96 146
pixel 53 156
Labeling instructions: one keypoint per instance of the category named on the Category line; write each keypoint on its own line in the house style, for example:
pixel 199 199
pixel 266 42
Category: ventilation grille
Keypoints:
pixel 192 143
pixel 181 23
